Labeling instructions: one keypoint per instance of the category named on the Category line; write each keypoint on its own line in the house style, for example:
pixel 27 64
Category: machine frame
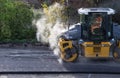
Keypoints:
pixel 79 39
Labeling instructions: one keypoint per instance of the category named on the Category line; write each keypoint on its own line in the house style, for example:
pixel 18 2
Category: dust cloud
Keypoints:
pixel 51 25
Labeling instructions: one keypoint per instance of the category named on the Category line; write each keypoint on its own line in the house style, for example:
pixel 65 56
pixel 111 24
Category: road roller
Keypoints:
pixel 95 36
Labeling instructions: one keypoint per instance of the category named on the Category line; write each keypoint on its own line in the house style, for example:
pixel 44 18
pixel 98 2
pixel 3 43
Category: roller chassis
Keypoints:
pixel 72 36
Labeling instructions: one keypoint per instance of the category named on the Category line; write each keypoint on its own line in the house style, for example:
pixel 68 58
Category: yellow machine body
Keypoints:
pixel 90 49
pixel 96 50
pixel 64 45
pixel 93 37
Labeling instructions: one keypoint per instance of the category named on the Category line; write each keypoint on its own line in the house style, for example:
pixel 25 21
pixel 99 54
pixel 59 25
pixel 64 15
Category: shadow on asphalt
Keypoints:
pixel 94 66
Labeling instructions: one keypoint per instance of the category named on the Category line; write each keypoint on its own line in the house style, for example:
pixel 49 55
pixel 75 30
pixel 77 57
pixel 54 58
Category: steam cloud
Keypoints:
pixel 50 26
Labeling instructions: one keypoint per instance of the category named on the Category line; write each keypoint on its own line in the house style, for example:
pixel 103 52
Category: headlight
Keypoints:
pixel 81 41
pixel 112 41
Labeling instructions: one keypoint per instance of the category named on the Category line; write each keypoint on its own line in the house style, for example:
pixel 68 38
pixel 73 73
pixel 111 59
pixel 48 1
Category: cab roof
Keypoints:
pixel 88 10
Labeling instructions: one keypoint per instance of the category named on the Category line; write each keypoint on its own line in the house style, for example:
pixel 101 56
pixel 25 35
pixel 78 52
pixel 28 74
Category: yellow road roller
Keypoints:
pixel 95 36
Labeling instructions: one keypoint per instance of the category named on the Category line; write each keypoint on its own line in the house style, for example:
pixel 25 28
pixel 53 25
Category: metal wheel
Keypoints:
pixel 116 54
pixel 70 54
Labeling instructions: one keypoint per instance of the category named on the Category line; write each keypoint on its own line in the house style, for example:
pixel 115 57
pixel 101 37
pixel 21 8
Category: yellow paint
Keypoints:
pixel 62 42
pixel 74 56
pixel 115 54
pixel 119 44
pixel 103 52
pixel 63 53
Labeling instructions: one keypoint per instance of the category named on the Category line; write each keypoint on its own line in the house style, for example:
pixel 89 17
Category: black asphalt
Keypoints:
pixel 43 60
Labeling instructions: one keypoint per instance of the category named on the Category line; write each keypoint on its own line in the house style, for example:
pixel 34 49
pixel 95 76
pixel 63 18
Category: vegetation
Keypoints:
pixel 16 18
pixel 15 21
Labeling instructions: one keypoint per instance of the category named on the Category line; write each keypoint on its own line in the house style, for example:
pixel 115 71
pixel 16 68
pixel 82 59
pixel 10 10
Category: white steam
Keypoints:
pixel 50 26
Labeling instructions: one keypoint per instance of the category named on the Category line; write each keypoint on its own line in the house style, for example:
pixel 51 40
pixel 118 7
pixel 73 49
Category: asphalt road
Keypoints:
pixel 43 60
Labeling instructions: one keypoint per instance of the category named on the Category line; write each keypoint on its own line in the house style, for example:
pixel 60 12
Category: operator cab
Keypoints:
pixel 96 24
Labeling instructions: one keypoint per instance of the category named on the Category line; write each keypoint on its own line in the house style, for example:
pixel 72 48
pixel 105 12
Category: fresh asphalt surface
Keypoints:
pixel 43 60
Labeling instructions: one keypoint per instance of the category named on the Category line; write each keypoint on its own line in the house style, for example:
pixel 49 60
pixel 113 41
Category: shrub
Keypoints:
pixel 15 20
